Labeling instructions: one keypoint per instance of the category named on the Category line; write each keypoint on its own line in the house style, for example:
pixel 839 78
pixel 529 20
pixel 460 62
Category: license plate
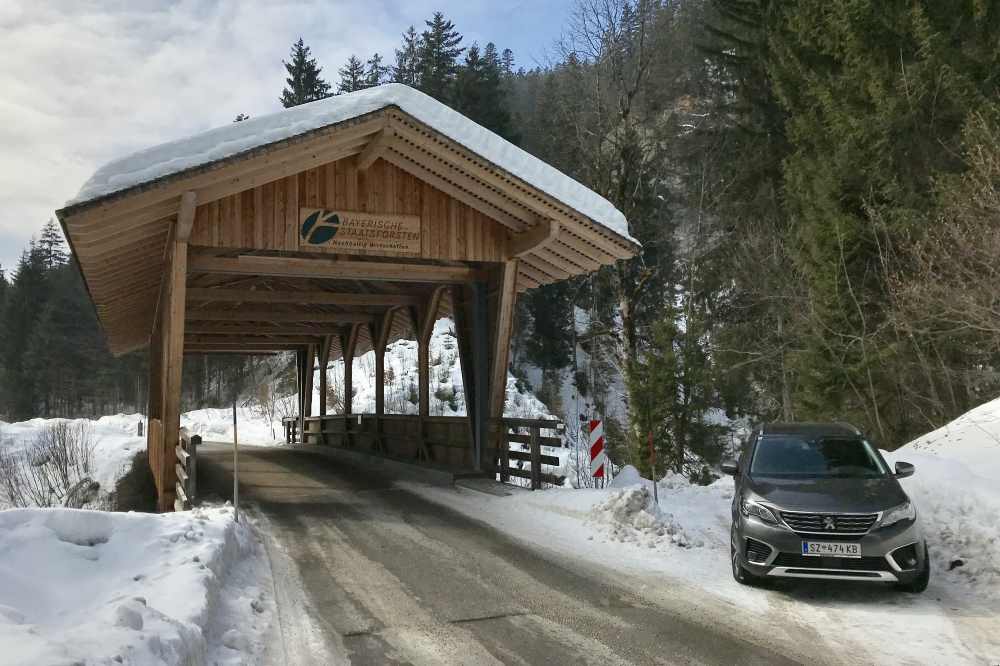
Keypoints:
pixel 831 549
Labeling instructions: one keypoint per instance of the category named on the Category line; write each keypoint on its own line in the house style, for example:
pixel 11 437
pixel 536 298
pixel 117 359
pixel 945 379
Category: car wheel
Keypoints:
pixel 741 575
pixel 919 583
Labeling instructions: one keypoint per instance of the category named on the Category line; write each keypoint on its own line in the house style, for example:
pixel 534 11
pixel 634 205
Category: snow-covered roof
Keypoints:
pixel 233 139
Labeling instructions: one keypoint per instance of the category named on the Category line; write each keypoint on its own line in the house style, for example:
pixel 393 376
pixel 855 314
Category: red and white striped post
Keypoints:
pixel 597 455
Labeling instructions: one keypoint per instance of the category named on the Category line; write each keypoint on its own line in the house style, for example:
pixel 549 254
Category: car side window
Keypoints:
pixel 747 452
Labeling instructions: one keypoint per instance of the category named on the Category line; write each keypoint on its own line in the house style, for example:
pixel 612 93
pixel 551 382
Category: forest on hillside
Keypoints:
pixel 816 187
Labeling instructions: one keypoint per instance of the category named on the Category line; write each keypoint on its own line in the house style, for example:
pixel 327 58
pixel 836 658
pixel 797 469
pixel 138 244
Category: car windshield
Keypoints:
pixel 791 456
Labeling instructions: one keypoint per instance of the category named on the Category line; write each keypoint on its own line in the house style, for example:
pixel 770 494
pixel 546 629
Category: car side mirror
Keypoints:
pixel 904 469
pixel 730 467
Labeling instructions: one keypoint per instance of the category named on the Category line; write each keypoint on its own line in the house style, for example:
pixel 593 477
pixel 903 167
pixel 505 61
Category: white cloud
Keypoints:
pixel 84 81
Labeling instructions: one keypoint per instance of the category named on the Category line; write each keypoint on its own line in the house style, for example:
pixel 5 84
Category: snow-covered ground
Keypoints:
pixel 683 544
pixel 95 587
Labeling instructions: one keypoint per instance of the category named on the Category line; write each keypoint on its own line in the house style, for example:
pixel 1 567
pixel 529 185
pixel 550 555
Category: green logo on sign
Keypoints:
pixel 320 227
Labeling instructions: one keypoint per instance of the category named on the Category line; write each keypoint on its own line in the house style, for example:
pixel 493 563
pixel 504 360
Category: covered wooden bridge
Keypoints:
pixel 332 229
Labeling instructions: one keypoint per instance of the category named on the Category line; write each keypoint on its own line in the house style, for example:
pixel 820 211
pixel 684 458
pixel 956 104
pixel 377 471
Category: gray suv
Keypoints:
pixel 819 501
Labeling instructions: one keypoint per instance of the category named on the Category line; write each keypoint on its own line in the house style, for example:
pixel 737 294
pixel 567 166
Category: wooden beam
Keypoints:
pixel 507 297
pixel 243 328
pixel 203 295
pixel 250 340
pixel 497 200
pixel 323 267
pixel 185 216
pixel 375 149
pixel 348 344
pixel 435 180
pixel 243 314
pixel 533 239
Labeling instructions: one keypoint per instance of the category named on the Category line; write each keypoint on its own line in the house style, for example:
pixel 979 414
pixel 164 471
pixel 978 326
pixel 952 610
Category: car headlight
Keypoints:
pixel 752 508
pixel 904 511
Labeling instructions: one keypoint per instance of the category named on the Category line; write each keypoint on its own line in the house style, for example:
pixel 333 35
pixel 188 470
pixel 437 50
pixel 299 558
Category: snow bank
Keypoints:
pixel 957 498
pixel 114 438
pixel 80 586
pixel 632 516
pixel 235 138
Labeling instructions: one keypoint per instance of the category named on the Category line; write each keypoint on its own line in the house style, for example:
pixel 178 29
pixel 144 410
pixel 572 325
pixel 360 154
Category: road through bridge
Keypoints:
pixel 370 572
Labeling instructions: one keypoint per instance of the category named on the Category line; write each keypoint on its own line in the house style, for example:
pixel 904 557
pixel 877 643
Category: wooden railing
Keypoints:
pixel 187 470
pixel 506 431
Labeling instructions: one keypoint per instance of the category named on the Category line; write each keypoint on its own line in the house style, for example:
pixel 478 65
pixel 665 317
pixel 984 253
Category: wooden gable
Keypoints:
pixel 269 216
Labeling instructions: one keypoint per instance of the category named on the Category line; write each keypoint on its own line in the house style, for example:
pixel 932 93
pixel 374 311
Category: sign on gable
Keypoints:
pixel 359 233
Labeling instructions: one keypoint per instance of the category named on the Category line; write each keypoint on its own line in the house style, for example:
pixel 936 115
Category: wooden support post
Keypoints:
pixel 300 379
pixel 480 372
pixel 348 343
pixel 461 308
pixel 504 320
pixel 424 319
pixel 324 361
pixel 308 383
pixel 171 321
pixel 380 338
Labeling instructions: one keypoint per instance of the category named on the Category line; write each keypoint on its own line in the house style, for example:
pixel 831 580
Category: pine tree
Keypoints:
pixel 303 84
pixel 407 58
pixel 507 63
pixel 479 91
pixel 51 245
pixel 25 299
pixel 437 61
pixel 375 71
pixel 352 76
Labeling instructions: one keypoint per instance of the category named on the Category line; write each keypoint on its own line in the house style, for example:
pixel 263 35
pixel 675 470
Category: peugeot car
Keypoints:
pixel 819 501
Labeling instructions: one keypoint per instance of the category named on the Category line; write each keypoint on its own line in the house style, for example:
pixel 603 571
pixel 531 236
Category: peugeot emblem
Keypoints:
pixel 829 523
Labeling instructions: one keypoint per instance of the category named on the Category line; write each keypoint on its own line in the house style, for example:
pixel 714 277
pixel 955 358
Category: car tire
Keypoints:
pixel 740 574
pixel 919 583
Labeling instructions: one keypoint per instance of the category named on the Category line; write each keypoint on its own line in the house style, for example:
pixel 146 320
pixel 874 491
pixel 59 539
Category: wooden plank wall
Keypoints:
pixel 267 217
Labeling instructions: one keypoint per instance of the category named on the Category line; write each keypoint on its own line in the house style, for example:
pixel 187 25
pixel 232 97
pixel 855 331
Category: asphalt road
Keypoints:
pixel 369 573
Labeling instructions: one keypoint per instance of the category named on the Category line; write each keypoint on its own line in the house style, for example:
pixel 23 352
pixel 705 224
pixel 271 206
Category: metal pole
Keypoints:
pixel 652 459
pixel 236 467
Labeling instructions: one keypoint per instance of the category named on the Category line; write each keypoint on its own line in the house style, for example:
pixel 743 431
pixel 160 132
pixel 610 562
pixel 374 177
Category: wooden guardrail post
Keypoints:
pixel 536 458
pixel 186 470
pixel 503 444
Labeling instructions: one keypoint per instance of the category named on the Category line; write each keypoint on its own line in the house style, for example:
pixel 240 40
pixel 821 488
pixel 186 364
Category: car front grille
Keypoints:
pixel 829 523
pixel 846 563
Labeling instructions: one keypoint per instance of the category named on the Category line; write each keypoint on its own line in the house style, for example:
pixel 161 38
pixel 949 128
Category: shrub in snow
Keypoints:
pixel 54 469
pixel 632 516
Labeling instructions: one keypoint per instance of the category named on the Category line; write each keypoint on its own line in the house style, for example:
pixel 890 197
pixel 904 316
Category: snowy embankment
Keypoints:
pixel 682 544
pixel 95 587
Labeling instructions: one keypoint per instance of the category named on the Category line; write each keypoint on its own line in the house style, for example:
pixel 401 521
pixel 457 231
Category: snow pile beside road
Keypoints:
pixel 957 499
pixel 631 516
pixel 114 440
pixel 80 586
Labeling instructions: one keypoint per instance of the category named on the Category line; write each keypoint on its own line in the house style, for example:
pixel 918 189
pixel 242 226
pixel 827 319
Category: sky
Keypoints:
pixel 86 81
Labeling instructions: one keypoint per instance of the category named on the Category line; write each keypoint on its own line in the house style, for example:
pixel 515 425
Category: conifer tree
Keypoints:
pixel 303 83
pixel 406 69
pixel 51 245
pixel 437 62
pixel 26 298
pixel 352 76
pixel 375 71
